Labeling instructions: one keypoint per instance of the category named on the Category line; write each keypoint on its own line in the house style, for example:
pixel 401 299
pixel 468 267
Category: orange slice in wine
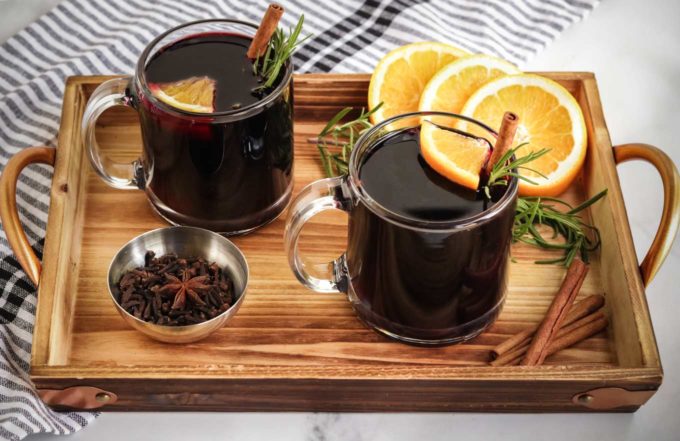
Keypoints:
pixel 195 94
pixel 457 157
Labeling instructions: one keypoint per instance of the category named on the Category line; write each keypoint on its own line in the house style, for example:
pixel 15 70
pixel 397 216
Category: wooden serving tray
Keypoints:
pixel 290 349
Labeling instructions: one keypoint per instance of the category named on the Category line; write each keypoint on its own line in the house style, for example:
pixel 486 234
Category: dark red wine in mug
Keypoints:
pixel 229 167
pixel 423 284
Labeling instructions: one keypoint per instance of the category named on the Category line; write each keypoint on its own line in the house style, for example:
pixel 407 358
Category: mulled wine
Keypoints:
pixel 217 135
pixel 424 284
pixel 229 170
pixel 426 259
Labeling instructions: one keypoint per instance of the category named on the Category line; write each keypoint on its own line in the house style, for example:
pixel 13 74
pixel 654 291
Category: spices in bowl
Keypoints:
pixel 173 298
pixel 175 291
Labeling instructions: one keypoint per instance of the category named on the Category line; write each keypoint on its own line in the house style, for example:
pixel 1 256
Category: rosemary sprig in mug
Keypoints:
pixel 578 238
pixel 509 165
pixel 280 49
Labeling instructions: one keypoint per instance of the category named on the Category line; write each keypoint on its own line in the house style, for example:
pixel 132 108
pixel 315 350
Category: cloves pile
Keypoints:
pixel 175 291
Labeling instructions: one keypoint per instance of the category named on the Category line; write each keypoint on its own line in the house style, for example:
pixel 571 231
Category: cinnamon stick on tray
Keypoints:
pixel 568 335
pixel 578 334
pixel 582 309
pixel 264 33
pixel 550 326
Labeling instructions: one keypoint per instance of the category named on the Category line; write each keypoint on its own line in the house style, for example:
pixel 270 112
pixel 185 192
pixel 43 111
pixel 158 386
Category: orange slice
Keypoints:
pixel 450 88
pixel 458 158
pixel 195 94
pixel 400 77
pixel 550 118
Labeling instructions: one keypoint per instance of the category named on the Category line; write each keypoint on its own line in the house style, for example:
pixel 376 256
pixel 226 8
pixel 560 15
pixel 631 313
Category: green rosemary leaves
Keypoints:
pixel 578 237
pixel 509 165
pixel 336 140
pixel 280 49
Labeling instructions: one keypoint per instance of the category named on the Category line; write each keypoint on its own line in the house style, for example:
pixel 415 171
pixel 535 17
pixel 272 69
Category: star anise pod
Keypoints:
pixel 187 286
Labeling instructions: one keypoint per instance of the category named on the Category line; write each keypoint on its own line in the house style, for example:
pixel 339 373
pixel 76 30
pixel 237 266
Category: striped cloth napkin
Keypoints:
pixel 106 36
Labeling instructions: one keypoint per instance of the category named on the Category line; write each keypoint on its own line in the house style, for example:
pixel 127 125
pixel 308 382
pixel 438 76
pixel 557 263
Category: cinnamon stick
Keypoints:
pixel 566 330
pixel 566 334
pixel 511 358
pixel 552 322
pixel 578 335
pixel 583 308
pixel 506 136
pixel 264 33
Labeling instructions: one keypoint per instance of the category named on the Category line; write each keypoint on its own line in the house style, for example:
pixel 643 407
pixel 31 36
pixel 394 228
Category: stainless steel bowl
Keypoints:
pixel 185 242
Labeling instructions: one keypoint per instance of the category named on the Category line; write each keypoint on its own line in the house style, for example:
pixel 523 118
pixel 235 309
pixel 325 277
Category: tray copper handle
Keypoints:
pixel 608 398
pixel 670 218
pixel 77 397
pixel 8 206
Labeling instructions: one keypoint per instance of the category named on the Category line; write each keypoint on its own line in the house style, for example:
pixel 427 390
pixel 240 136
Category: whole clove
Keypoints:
pixel 174 291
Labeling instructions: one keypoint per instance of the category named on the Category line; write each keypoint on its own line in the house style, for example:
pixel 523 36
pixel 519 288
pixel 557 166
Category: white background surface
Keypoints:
pixel 634 49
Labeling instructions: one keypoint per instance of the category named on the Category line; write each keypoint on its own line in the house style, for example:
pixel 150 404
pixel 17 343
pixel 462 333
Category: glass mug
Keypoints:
pixel 417 281
pixel 229 171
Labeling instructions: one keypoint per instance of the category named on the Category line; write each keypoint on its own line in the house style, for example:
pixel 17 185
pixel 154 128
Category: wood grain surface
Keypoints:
pixel 285 335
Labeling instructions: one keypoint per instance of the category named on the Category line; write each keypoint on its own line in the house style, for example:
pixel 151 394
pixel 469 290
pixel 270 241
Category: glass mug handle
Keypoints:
pixel 321 195
pixel 119 175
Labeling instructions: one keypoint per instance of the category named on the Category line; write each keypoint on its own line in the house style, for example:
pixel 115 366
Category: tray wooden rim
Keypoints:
pixel 43 371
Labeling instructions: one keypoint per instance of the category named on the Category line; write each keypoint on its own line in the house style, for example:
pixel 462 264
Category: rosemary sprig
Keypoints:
pixel 509 167
pixel 336 141
pixel 280 49
pixel 579 238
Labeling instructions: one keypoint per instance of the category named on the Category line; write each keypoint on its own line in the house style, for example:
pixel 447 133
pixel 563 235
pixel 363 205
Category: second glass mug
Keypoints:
pixel 228 172
pixel 420 282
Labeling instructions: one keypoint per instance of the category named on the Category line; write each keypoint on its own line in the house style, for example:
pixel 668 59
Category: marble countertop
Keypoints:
pixel 633 49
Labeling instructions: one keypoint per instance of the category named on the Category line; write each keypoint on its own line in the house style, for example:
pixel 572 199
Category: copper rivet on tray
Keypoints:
pixel 585 399
pixel 102 397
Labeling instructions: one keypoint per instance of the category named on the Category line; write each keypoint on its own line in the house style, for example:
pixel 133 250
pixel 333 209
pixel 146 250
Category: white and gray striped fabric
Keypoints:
pixel 106 36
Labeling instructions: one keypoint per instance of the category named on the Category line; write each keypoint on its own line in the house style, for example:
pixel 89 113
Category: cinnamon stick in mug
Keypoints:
pixel 558 310
pixel 506 136
pixel 264 33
